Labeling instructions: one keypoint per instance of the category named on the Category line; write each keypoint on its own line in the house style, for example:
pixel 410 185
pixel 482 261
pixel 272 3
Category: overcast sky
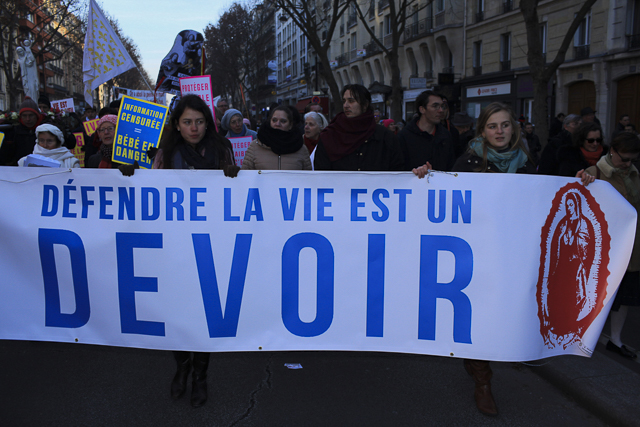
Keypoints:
pixel 154 25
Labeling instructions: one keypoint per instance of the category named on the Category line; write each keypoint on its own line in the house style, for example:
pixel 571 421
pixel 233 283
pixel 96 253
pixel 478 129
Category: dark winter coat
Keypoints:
pixel 548 164
pixel 419 147
pixel 571 160
pixel 17 144
pixel 471 162
pixel 379 153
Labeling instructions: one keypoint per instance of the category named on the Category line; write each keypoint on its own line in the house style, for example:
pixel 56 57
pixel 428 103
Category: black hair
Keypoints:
pixel 583 131
pixel 360 94
pixel 423 100
pixel 172 137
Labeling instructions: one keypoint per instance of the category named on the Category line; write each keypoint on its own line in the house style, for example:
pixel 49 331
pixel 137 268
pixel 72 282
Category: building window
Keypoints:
pixel 582 38
pixel 479 10
pixel 633 24
pixel 505 52
pixel 439 6
pixel 477 58
pixel 543 40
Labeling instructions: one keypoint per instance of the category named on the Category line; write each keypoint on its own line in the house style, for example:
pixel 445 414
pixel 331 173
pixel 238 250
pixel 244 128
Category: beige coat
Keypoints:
pixel 260 157
pixel 607 174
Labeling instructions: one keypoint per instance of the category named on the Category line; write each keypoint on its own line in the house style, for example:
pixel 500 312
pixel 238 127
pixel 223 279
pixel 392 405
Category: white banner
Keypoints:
pixel 63 105
pixel 489 266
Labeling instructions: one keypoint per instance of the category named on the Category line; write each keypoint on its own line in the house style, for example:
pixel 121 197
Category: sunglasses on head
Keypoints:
pixel 592 140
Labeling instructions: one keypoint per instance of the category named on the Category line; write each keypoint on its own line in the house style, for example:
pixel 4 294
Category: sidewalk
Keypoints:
pixel 604 387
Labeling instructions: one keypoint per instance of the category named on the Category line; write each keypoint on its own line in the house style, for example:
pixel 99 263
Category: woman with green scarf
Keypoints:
pixel 616 167
pixel 497 147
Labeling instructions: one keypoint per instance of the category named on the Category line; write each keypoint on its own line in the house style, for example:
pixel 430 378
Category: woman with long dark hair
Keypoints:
pixel 191 142
pixel 585 151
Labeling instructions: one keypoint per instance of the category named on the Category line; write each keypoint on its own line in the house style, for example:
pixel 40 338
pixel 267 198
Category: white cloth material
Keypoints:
pixel 54 130
pixel 104 57
pixel 61 154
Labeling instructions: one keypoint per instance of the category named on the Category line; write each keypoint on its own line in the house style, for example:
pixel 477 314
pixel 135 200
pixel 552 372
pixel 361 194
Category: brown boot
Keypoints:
pixel 481 372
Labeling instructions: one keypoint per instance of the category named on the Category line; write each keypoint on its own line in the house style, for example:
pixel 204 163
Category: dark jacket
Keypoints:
pixel 555 128
pixel 548 164
pixel 471 162
pixel 534 145
pixel 419 147
pixel 571 160
pixel 17 144
pixel 379 153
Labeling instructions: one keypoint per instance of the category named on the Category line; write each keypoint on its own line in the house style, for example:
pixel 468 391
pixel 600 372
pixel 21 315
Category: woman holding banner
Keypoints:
pixel 106 131
pixel 191 142
pixel 279 146
pixel 497 147
pixel 618 170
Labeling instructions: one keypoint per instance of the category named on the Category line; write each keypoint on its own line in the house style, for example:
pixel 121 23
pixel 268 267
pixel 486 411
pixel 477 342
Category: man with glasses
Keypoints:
pixel 549 159
pixel 425 139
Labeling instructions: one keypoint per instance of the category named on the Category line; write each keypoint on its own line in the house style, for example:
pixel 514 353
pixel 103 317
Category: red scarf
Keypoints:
pixel 592 157
pixel 345 135
pixel 310 143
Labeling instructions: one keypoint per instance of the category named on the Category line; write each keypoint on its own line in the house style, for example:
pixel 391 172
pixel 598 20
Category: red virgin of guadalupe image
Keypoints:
pixel 573 274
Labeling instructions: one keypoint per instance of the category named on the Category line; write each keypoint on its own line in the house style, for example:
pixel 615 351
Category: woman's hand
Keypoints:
pixel 423 170
pixel 231 170
pixel 129 170
pixel 585 177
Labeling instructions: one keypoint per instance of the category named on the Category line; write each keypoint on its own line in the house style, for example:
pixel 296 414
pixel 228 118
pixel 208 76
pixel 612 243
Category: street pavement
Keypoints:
pixel 64 384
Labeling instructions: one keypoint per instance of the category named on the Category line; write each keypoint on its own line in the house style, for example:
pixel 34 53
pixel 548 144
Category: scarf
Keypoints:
pixel 280 141
pixel 508 161
pixel 592 157
pixel 203 156
pixel 106 151
pixel 60 153
pixel 633 192
pixel 310 143
pixel 345 135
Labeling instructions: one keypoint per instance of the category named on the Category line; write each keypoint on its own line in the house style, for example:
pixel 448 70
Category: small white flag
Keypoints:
pixel 104 55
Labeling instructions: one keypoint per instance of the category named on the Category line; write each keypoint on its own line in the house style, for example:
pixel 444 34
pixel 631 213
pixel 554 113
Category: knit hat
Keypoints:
pixel 44 99
pixel 388 122
pixel 29 105
pixel 52 130
pixel 226 119
pixel 107 118
pixel 246 121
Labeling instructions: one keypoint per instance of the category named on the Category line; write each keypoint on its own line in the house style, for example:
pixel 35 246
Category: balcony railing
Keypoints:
pixel 354 54
pixel 352 20
pixel 418 29
pixel 372 48
pixel 428 75
pixel 505 65
pixel 581 52
pixel 507 6
pixel 479 16
pixel 55 69
pixel 440 19
pixel 342 59
pixel 448 70
pixel 634 41
pixel 58 87
pixel 477 70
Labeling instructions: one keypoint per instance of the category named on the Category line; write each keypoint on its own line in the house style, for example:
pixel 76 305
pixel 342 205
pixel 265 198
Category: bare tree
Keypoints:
pixel 390 44
pixel 318 21
pixel 541 71
pixel 53 26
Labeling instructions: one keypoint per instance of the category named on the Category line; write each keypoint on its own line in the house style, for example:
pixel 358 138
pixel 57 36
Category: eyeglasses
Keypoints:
pixel 107 129
pixel 592 140
pixel 438 106
pixel 625 159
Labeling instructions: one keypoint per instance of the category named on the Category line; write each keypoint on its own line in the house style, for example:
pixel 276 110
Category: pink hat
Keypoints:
pixel 246 122
pixel 107 118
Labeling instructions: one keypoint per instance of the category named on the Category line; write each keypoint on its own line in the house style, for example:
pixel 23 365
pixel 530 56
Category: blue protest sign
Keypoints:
pixel 139 128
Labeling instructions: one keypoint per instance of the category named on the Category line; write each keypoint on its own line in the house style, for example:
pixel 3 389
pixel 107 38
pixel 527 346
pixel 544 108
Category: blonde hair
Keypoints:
pixel 516 136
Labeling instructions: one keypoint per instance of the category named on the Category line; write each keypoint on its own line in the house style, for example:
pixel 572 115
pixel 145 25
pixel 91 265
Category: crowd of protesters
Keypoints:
pixel 358 139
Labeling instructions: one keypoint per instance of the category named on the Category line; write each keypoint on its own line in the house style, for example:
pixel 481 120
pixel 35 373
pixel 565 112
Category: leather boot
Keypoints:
pixel 179 383
pixel 199 385
pixel 481 372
